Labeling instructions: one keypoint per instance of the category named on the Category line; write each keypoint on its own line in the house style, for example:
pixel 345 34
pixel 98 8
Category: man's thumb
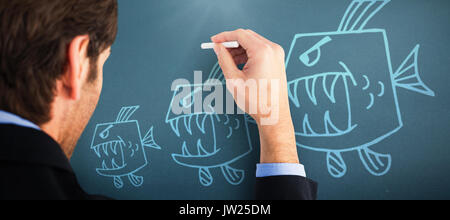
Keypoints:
pixel 226 62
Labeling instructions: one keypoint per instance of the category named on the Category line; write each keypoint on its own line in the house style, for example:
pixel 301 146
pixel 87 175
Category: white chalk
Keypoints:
pixel 231 44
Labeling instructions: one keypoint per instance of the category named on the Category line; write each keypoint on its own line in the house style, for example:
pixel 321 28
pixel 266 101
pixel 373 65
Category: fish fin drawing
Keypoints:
pixel 377 164
pixel 149 140
pixel 216 74
pixel 233 176
pixel 125 113
pixel 336 165
pixel 407 75
pixel 359 13
pixel 137 181
pixel 118 182
pixel 205 177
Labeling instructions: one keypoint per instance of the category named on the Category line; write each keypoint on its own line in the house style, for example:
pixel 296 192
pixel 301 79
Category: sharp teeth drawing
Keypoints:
pixel 343 87
pixel 329 90
pixel 207 136
pixel 293 94
pixel 201 122
pixel 187 124
pixel 307 126
pixel 111 143
pixel 114 148
pixel 330 128
pixel 310 89
pixel 114 165
pixel 174 125
pixel 105 149
pixel 97 151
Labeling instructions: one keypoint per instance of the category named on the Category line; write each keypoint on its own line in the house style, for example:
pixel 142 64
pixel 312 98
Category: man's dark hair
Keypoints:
pixel 34 39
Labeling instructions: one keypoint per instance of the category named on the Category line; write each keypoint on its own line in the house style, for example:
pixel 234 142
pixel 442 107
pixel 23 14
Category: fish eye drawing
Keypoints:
pixel 343 89
pixel 210 140
pixel 121 148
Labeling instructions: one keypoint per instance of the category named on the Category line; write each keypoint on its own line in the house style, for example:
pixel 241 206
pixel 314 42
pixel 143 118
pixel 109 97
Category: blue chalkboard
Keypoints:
pixel 368 84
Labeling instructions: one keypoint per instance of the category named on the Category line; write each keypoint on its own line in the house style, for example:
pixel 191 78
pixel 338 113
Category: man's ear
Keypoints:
pixel 77 68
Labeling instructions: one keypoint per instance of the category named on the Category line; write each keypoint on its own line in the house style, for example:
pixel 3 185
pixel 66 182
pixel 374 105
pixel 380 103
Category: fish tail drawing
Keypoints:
pixel 407 75
pixel 359 13
pixel 149 140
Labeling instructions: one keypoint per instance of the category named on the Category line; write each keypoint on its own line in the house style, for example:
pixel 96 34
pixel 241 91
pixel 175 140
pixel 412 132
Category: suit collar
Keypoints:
pixel 24 144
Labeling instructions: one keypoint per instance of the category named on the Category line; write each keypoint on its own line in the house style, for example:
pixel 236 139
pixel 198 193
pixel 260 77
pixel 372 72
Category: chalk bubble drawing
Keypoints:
pixel 210 140
pixel 343 89
pixel 120 147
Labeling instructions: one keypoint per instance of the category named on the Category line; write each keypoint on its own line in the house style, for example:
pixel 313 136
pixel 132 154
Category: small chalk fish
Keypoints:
pixel 120 147
pixel 343 89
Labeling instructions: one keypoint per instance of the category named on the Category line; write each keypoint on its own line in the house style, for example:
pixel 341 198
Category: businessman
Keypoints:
pixel 52 54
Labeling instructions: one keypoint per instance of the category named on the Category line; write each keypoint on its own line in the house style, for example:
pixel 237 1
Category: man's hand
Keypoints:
pixel 264 62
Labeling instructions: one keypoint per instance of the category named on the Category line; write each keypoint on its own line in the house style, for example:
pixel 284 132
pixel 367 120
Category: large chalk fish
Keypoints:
pixel 343 89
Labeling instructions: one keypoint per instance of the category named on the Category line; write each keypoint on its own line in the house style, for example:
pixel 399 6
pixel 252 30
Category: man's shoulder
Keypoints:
pixel 33 166
pixel 23 180
pixel 31 146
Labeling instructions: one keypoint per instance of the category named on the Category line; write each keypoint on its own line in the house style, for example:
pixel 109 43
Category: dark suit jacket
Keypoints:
pixel 33 166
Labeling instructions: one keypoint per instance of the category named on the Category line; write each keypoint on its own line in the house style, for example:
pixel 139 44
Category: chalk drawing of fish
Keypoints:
pixel 342 86
pixel 210 140
pixel 120 147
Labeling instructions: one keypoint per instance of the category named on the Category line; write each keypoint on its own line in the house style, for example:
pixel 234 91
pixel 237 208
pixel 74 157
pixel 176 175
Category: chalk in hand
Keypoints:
pixel 231 44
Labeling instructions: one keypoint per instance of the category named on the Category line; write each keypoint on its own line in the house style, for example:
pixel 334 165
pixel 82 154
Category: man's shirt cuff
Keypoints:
pixel 280 169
